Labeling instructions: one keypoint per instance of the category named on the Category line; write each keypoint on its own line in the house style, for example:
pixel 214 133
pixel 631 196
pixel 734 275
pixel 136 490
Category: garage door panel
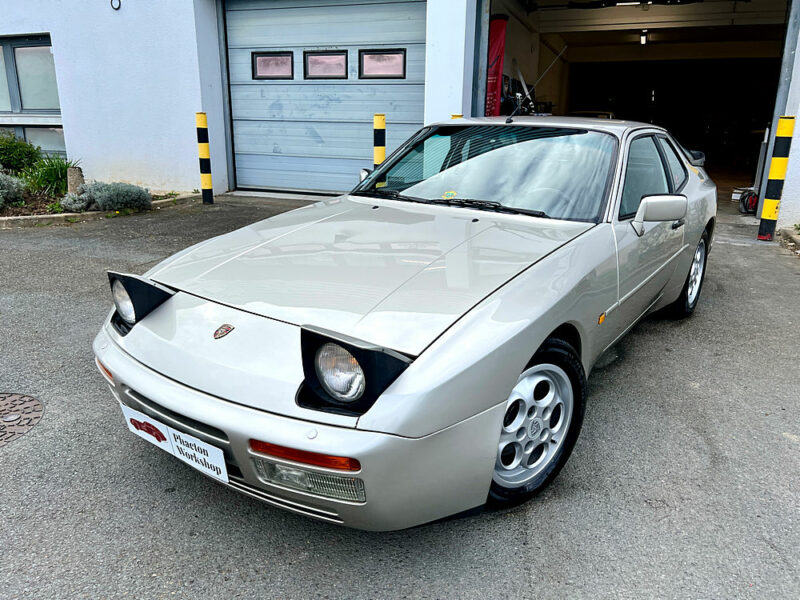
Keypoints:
pixel 240 65
pixel 298 173
pixel 400 22
pixel 330 102
pixel 319 139
pixel 317 134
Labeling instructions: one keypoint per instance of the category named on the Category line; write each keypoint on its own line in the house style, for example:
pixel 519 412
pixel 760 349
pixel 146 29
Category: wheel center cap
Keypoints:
pixel 535 428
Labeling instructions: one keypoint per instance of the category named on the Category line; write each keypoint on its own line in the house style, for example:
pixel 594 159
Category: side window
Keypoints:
pixel 644 175
pixel 676 167
pixel 423 161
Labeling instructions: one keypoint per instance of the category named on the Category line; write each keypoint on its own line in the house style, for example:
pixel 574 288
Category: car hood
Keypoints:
pixel 392 273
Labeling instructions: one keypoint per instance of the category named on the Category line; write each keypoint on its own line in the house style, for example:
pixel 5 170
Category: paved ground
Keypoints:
pixel 684 483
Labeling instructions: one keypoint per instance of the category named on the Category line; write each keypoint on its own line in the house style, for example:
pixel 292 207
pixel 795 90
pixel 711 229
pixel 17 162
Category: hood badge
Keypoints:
pixel 222 331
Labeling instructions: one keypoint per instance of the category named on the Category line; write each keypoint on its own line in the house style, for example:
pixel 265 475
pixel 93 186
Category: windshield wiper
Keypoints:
pixel 392 194
pixel 489 205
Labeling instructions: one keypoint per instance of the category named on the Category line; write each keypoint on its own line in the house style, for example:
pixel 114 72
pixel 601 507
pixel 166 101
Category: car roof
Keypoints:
pixel 614 126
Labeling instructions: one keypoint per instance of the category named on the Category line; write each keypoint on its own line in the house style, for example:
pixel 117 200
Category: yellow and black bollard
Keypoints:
pixel 777 174
pixel 378 139
pixel 205 158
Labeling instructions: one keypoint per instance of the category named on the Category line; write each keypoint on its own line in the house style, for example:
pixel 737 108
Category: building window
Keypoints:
pixel 5 95
pixel 49 139
pixel 273 65
pixel 331 64
pixel 36 74
pixel 382 64
pixel 29 105
pixel 27 76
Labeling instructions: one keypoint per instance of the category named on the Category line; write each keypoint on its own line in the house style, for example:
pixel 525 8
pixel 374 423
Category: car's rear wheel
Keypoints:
pixel 543 418
pixel 690 294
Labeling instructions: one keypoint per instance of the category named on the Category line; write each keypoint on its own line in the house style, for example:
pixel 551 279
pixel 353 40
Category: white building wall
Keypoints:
pixel 129 82
pixel 449 58
pixel 790 200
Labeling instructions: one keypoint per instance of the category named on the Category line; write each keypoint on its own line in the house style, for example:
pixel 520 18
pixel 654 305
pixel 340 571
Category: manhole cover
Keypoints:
pixel 18 414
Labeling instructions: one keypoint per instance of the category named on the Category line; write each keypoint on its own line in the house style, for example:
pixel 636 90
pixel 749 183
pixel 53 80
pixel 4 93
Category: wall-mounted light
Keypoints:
pixel 643 37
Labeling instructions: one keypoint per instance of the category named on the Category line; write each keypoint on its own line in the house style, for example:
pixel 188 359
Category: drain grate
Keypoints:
pixel 18 414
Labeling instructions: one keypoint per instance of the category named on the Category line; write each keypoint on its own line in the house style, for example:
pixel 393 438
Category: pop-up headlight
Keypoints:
pixel 134 298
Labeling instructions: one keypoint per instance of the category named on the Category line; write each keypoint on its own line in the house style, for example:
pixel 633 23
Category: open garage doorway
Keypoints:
pixel 706 70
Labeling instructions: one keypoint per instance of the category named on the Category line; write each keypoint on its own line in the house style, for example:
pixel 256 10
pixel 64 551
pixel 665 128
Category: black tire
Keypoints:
pixel 557 352
pixel 748 202
pixel 683 307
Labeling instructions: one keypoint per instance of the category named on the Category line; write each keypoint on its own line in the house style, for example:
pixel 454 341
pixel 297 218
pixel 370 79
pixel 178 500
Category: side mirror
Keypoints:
pixel 364 174
pixel 698 158
pixel 667 207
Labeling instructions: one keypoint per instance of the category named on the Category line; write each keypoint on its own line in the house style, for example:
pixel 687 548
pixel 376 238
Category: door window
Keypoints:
pixel 644 176
pixel 676 168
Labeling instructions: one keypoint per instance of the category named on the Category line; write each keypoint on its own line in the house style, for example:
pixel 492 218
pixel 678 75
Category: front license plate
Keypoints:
pixel 204 457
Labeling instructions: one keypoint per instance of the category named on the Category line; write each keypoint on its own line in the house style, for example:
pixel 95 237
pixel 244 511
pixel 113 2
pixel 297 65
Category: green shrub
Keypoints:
pixel 114 196
pixel 17 154
pixel 74 203
pixel 48 175
pixel 10 189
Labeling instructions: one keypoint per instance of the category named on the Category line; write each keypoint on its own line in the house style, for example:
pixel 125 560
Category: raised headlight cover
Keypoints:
pixel 134 298
pixel 339 373
pixel 344 375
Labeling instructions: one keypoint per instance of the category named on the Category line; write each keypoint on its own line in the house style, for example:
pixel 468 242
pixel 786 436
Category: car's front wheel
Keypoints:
pixel 543 418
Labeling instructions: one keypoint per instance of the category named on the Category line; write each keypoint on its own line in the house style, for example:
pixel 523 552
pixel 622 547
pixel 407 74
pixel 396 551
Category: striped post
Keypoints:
pixel 205 158
pixel 777 174
pixel 378 139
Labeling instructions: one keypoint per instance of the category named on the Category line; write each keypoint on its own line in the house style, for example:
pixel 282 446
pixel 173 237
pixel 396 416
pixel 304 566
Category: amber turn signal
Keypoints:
pixel 342 463
pixel 105 371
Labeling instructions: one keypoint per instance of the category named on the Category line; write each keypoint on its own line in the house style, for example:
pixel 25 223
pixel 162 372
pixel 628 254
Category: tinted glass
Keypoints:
pixel 273 66
pixel 49 139
pixel 5 99
pixel 37 78
pixel 676 167
pixel 562 172
pixel 326 65
pixel 383 64
pixel 644 175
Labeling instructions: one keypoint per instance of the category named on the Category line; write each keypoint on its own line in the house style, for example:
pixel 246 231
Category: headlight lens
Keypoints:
pixel 339 373
pixel 123 302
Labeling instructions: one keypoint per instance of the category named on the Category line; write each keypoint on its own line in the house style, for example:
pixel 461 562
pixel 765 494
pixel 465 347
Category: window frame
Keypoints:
pixel 9 44
pixel 345 53
pixel 254 55
pixel 676 189
pixel 364 51
pixel 652 135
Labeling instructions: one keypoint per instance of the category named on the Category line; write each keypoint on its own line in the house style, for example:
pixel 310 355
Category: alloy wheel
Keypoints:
pixel 535 425
pixel 696 273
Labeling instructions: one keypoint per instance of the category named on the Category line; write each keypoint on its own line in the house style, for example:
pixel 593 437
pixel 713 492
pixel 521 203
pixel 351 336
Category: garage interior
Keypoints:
pixel 706 70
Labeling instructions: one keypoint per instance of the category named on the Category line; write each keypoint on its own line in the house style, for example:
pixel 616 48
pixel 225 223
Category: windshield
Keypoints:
pixel 562 173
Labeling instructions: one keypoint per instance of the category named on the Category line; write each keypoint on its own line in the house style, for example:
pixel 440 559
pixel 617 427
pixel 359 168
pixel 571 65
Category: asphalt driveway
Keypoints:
pixel 685 482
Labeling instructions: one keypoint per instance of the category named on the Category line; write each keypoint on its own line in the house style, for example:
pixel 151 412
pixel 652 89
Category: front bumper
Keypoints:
pixel 408 481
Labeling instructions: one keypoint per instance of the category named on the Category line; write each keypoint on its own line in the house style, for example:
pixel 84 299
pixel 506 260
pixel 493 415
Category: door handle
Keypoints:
pixel 678 223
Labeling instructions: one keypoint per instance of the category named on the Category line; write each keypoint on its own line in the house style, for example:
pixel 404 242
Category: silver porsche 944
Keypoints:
pixel 418 347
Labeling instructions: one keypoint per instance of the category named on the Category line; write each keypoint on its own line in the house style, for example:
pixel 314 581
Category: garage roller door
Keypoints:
pixel 294 132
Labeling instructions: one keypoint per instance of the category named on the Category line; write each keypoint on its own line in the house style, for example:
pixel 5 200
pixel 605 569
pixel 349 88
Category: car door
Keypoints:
pixel 646 262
